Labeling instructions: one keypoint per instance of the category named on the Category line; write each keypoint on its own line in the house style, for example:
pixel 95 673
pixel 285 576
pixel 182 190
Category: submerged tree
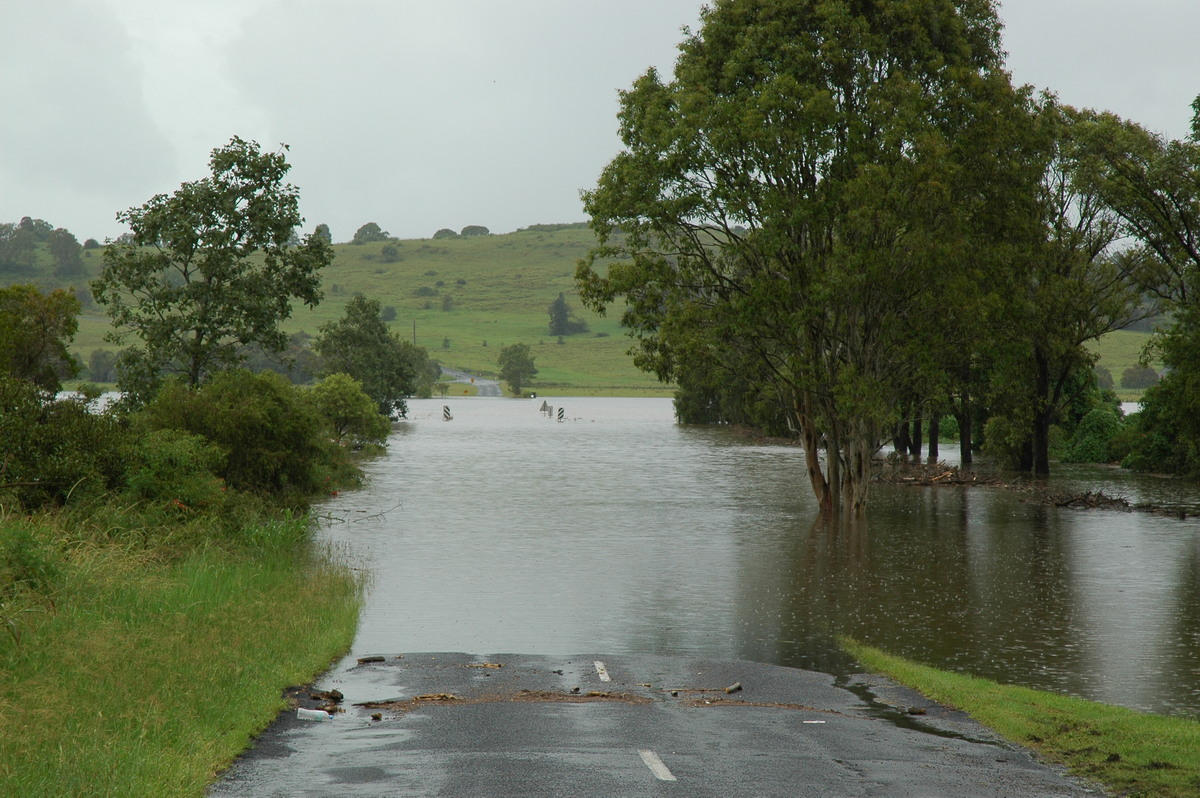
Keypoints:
pixel 209 269
pixel 804 197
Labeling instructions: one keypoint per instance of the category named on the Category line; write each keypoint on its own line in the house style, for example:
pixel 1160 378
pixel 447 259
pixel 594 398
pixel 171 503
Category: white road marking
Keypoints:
pixel 603 671
pixel 656 766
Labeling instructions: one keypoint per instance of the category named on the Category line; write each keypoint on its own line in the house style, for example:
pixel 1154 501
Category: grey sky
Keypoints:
pixel 423 114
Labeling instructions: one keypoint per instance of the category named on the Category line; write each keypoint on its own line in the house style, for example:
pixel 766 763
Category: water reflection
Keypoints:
pixel 619 531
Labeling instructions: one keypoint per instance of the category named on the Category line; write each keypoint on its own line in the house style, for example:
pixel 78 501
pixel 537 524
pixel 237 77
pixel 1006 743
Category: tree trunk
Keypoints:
pixel 915 444
pixel 901 442
pixel 935 424
pixel 962 414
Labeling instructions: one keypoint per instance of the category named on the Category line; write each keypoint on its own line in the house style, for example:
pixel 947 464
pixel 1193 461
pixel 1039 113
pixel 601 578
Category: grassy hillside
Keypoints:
pixel 464 298
pixel 467 297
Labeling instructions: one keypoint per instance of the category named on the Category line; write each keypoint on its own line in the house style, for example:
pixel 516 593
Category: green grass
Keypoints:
pixel 1119 351
pixel 1132 753
pixel 147 669
pixel 500 289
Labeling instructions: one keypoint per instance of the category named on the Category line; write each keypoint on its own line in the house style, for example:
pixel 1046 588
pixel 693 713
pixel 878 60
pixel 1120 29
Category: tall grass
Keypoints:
pixel 148 668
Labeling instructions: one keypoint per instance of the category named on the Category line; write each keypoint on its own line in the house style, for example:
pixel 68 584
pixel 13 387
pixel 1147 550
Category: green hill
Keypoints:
pixel 463 298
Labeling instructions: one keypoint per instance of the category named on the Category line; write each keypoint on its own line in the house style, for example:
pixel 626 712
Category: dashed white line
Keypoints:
pixel 603 671
pixel 660 771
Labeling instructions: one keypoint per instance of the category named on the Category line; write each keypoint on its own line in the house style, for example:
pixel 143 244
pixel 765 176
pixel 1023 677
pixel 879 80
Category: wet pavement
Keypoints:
pixel 453 724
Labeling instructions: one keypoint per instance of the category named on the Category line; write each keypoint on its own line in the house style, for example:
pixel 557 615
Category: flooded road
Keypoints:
pixel 616 530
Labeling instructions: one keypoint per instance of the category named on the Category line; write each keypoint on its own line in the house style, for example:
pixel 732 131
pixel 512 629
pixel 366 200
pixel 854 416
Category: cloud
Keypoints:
pixel 420 115
pixel 77 131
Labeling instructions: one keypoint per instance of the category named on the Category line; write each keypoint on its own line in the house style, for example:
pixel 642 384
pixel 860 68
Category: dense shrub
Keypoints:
pixel 352 415
pixel 178 467
pixel 56 450
pixel 273 439
pixel 1090 442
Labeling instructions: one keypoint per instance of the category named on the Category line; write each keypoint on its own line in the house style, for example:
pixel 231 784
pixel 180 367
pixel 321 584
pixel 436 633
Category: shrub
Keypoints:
pixel 425 290
pixel 177 467
pixel 1090 442
pixel 26 561
pixel 445 232
pixel 53 451
pixel 353 416
pixel 274 440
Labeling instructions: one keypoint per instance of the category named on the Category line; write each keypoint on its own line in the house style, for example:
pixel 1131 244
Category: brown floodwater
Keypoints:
pixel 617 530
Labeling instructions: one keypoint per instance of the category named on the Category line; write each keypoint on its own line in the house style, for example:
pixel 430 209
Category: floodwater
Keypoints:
pixel 616 530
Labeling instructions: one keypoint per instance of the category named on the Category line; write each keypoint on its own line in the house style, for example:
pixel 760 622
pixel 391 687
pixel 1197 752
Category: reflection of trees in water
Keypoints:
pixel 1182 666
pixel 927 575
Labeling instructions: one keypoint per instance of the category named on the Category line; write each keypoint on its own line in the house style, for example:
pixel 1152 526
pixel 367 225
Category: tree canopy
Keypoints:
pixel 35 331
pixel 815 183
pixel 209 269
pixel 361 346
pixel 516 366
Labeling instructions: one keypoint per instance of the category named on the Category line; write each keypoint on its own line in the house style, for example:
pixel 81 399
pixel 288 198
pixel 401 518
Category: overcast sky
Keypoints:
pixel 424 114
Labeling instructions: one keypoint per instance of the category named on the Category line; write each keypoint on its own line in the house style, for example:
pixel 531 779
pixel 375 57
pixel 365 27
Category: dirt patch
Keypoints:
pixel 521 696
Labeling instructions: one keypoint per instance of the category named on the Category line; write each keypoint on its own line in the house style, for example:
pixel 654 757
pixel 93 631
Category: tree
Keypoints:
pixel 352 415
pixel 370 232
pixel 1066 285
pixel 1154 185
pixel 516 366
pixel 208 270
pixel 562 320
pixel 804 195
pixel 36 330
pixel 66 251
pixel 475 230
pixel 445 232
pixel 102 366
pixel 18 249
pixel 322 231
pixel 360 345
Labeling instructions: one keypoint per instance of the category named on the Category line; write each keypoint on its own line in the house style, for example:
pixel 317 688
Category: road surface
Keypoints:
pixel 595 726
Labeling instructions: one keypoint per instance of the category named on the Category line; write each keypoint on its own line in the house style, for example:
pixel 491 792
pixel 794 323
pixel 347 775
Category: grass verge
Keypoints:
pixel 148 668
pixel 1132 753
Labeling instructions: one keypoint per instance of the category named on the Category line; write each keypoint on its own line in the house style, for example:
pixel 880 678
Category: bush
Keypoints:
pixel 353 416
pixel 273 439
pixel 26 561
pixel 177 467
pixel 425 290
pixel 54 451
pixel 1090 443
pixel 445 232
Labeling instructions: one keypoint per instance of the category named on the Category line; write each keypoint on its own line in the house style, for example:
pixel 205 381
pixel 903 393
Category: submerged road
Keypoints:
pixel 599 726
pixel 484 387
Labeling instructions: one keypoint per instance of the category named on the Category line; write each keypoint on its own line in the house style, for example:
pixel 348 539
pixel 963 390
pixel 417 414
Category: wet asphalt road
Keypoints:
pixel 507 725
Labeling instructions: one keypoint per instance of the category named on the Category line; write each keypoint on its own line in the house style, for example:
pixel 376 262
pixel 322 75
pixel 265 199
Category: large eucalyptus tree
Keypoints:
pixel 807 196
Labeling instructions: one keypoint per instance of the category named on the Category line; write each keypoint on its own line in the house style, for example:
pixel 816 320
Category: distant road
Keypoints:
pixel 486 387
